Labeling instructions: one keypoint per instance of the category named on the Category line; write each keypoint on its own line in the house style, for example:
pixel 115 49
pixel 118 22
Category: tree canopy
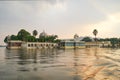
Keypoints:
pixel 24 35
pixel 12 37
pixel 51 38
pixel 95 32
pixel 87 39
pixel 35 33
pixel 112 40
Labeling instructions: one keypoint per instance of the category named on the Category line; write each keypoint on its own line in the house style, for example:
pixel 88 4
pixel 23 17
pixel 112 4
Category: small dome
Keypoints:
pixel 76 36
pixel 43 34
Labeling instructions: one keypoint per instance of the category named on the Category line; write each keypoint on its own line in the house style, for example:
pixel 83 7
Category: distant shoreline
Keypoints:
pixel 2 45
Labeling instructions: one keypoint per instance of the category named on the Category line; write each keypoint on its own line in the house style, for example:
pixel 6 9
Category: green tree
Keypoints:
pixel 87 39
pixel 35 33
pixel 51 38
pixel 42 39
pixel 22 34
pixel 30 39
pixel 14 37
pixel 95 32
pixel 6 39
pixel 114 41
pixel 57 40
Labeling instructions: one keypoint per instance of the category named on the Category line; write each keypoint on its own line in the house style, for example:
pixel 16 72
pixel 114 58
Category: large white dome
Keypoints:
pixel 43 34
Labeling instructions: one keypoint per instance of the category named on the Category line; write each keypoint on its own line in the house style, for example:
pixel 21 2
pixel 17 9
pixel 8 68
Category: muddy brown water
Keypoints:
pixel 54 64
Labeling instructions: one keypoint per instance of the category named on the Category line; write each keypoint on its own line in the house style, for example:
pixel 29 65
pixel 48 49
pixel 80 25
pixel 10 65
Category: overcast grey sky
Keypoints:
pixel 61 17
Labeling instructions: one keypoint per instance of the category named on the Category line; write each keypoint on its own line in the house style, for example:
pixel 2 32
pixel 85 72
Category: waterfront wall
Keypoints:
pixel 38 45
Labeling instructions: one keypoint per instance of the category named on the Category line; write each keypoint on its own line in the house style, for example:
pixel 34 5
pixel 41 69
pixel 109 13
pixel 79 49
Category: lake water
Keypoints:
pixel 53 64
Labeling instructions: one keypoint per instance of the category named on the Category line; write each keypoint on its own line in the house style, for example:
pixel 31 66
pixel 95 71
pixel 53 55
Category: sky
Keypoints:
pixel 61 17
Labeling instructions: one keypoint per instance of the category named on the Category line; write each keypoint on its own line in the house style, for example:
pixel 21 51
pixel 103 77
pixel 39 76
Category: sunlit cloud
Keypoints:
pixel 106 28
pixel 62 17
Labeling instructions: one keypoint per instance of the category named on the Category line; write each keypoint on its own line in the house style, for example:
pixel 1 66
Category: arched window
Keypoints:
pixel 28 45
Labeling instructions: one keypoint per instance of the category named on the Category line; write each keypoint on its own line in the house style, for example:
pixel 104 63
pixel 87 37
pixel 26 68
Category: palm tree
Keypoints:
pixel 95 32
pixel 8 38
pixel 35 33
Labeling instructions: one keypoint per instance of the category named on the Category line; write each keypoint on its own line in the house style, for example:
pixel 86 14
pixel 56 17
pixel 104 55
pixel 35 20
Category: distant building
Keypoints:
pixel 38 45
pixel 76 42
pixel 98 44
pixel 72 43
pixel 17 44
pixel 14 44
pixel 43 34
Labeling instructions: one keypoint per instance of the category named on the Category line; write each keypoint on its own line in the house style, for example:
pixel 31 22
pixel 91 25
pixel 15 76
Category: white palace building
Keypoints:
pixel 29 45
pixel 17 44
pixel 74 43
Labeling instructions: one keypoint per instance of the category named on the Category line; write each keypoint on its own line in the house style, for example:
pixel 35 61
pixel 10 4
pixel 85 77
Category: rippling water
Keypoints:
pixel 53 64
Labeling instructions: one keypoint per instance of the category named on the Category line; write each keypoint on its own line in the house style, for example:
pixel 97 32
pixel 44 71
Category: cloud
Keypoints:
pixel 62 17
pixel 108 27
pixel 106 6
pixel 26 10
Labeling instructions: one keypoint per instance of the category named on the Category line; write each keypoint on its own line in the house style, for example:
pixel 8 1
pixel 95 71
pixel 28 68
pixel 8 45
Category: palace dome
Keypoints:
pixel 43 34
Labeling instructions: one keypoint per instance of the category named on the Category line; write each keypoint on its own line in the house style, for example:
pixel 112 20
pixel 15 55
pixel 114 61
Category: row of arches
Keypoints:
pixel 41 45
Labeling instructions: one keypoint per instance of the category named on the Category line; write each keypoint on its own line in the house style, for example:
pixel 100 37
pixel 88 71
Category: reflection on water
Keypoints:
pixel 53 64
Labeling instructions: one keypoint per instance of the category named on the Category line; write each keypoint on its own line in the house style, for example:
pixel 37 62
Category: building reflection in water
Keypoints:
pixel 80 64
pixel 83 66
pixel 77 66
pixel 32 57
